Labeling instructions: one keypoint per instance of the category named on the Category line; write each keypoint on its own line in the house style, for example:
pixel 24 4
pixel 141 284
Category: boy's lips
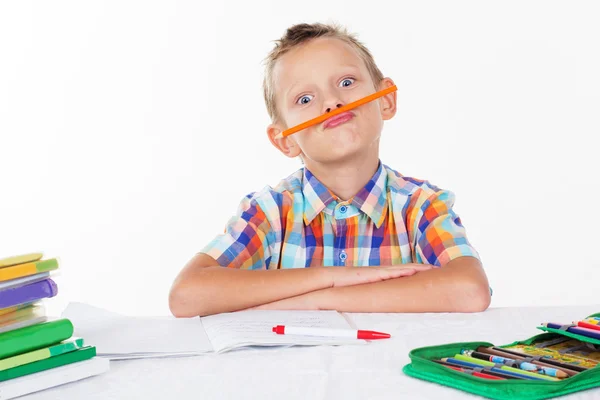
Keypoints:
pixel 338 120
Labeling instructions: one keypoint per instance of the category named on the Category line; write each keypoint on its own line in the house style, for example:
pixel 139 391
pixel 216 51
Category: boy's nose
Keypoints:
pixel 329 108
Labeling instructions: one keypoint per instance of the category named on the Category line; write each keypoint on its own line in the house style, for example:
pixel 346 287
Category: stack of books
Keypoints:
pixel 37 352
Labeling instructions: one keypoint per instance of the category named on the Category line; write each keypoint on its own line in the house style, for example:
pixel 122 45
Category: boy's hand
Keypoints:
pixel 348 276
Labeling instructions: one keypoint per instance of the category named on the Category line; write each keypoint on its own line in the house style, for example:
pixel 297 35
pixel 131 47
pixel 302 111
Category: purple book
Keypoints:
pixel 28 293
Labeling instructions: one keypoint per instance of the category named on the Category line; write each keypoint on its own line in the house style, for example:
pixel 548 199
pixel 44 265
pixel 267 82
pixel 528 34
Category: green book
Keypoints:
pixel 41 354
pixel 53 362
pixel 34 337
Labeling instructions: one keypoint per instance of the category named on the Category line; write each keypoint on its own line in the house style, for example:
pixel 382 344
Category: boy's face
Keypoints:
pixel 322 75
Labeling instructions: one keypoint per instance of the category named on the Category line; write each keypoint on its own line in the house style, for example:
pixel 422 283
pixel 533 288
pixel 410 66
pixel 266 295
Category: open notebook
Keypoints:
pixel 118 336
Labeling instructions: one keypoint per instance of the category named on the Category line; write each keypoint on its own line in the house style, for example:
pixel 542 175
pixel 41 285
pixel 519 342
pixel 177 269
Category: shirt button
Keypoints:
pixel 343 256
pixel 343 209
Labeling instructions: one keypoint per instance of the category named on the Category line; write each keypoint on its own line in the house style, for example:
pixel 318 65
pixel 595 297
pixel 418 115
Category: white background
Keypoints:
pixel 129 131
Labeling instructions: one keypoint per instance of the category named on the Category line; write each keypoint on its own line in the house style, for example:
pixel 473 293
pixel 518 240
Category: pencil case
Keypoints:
pixel 423 367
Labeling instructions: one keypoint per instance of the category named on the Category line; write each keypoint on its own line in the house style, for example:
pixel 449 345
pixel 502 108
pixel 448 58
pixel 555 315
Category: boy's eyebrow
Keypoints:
pixel 351 66
pixel 290 89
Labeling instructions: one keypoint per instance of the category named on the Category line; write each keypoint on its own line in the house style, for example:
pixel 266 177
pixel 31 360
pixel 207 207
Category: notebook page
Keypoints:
pixel 118 336
pixel 254 328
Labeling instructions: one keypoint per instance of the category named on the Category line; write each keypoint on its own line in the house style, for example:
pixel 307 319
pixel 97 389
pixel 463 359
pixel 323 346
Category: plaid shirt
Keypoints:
pixel 300 223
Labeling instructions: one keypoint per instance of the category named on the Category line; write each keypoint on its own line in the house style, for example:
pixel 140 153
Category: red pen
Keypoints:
pixel 584 324
pixel 329 332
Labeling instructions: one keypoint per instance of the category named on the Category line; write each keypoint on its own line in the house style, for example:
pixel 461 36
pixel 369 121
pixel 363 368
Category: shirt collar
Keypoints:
pixel 371 199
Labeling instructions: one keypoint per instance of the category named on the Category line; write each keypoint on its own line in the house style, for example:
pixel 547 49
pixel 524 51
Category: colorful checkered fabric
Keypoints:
pixel 300 223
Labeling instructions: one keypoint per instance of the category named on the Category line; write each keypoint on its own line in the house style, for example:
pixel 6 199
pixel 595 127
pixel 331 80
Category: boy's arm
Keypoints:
pixel 459 286
pixel 204 287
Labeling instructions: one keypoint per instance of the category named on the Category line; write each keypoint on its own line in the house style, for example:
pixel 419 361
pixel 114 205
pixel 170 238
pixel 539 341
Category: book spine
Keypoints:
pixel 41 354
pixel 28 293
pixel 21 270
pixel 34 337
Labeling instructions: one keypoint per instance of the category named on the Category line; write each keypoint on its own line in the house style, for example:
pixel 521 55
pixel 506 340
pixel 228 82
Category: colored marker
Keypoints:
pixel 524 365
pixel 329 332
pixel 546 359
pixel 592 321
pixel 575 329
pixel 478 369
pixel 504 367
pixel 474 373
pixel 588 325
pixel 541 361
pixel 519 374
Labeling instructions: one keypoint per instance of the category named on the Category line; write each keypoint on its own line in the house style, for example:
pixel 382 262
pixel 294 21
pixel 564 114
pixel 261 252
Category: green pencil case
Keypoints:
pixel 423 367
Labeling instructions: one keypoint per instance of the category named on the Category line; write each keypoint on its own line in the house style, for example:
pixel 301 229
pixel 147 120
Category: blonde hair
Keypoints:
pixel 300 34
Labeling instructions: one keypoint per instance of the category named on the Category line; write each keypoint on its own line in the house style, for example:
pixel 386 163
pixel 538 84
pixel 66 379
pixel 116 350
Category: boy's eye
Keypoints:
pixel 347 82
pixel 304 99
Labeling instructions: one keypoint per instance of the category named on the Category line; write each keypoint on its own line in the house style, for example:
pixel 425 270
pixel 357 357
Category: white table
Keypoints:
pixel 372 371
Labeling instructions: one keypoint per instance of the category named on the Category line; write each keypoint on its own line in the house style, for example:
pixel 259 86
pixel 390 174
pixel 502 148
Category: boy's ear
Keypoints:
pixel 286 145
pixel 388 102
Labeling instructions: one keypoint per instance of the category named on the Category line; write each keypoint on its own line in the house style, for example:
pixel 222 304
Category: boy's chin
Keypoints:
pixel 340 145
pixel 340 137
pixel 338 155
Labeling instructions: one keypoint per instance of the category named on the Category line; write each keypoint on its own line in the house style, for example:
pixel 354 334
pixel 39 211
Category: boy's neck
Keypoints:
pixel 347 178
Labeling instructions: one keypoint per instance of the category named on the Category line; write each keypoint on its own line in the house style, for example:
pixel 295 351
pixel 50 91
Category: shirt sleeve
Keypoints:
pixel 439 235
pixel 245 242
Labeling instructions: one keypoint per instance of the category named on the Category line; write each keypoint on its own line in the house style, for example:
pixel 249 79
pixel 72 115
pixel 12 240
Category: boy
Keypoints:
pixel 345 232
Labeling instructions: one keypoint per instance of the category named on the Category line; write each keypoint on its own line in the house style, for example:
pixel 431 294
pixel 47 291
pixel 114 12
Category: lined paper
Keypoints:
pixel 254 328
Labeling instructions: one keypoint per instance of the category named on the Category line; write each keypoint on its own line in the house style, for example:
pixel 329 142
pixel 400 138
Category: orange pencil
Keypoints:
pixel 337 111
